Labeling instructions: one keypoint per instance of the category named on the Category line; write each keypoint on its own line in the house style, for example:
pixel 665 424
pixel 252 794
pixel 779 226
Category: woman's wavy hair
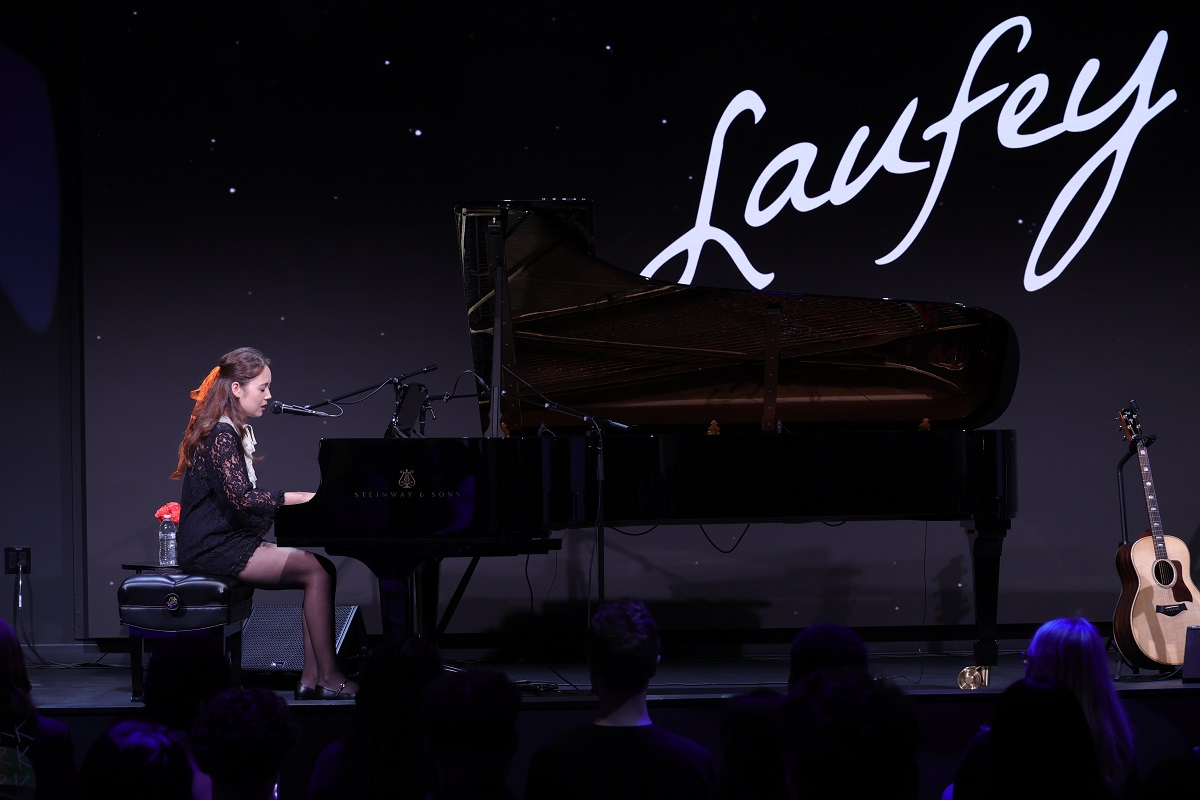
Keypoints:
pixel 214 399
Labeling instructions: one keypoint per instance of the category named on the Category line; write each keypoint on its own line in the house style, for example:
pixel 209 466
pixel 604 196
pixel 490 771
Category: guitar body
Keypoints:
pixel 1158 602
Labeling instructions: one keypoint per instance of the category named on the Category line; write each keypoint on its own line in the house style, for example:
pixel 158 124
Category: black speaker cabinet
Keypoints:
pixel 272 640
pixel 1191 655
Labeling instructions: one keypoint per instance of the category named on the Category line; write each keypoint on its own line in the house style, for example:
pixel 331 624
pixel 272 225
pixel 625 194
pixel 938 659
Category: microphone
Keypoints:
pixel 283 408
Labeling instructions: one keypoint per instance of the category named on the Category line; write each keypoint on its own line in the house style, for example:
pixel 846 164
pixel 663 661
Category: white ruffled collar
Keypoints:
pixel 248 443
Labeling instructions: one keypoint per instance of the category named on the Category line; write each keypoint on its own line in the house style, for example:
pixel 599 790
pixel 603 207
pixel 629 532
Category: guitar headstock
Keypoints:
pixel 1129 423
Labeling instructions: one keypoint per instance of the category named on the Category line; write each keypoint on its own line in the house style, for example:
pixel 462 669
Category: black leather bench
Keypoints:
pixel 168 602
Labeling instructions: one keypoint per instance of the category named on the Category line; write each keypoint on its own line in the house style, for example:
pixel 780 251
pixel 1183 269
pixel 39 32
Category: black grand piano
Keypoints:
pixel 608 399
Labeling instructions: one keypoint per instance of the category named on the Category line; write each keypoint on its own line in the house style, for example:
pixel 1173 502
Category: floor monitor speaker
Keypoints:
pixel 1191 655
pixel 272 640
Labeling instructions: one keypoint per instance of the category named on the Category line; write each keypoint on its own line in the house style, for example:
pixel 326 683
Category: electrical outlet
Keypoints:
pixel 18 559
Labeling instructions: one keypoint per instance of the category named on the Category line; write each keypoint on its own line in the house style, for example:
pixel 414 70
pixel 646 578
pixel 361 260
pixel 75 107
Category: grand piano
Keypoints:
pixel 607 399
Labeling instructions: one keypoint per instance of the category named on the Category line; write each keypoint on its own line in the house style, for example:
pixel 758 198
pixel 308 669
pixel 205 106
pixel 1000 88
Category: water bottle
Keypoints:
pixel 166 542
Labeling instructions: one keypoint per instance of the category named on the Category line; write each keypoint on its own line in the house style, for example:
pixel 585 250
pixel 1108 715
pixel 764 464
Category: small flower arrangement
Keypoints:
pixel 171 508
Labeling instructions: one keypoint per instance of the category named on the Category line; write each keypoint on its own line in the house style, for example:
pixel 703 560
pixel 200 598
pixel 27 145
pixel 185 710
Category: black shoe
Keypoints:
pixel 306 692
pixel 325 693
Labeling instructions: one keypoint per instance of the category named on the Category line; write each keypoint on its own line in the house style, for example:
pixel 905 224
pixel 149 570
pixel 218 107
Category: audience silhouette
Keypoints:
pixel 136 758
pixel 183 672
pixel 381 756
pixel 826 646
pixel 423 733
pixel 1174 777
pixel 37 753
pixel 1038 746
pixel 752 765
pixel 621 753
pixel 468 723
pixel 241 738
pixel 1070 651
pixel 846 735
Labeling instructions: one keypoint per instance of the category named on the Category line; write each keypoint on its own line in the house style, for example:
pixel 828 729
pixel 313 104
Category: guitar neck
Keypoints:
pixel 1156 528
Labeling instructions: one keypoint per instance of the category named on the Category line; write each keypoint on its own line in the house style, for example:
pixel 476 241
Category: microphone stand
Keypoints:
pixel 397 430
pixel 594 422
pixel 374 387
pixel 501 335
pixel 599 513
pixel 482 389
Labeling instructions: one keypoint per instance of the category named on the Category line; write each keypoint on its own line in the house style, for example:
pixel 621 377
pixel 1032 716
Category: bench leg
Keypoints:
pixel 137 652
pixel 229 640
pixel 234 648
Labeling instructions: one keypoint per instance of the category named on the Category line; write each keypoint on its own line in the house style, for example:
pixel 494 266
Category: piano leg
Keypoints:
pixel 986 539
pixel 408 597
pixel 422 593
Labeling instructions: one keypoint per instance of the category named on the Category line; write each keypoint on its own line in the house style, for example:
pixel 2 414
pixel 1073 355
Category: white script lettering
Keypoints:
pixel 1017 109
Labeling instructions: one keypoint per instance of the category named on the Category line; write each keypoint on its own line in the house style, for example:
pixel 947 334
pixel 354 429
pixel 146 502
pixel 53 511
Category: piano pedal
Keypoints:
pixel 973 677
pixel 538 688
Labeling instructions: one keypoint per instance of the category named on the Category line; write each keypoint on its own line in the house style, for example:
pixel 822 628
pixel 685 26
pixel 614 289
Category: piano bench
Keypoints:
pixel 171 603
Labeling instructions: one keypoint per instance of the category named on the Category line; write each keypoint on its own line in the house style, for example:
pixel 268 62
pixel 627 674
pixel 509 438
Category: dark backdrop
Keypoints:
pixel 284 175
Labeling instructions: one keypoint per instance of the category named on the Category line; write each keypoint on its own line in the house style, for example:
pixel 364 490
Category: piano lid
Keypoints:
pixel 581 336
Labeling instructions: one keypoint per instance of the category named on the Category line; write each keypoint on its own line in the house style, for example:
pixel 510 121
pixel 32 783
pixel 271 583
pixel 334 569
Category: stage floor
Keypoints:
pixel 105 683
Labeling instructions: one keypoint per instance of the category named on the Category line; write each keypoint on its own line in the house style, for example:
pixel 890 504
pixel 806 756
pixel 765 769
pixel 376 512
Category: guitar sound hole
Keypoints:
pixel 1164 572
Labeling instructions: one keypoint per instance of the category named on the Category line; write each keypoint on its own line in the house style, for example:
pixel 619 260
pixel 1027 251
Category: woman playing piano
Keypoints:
pixel 224 516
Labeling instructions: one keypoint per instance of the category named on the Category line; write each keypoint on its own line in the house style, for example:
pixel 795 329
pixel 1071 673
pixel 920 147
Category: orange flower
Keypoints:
pixel 171 508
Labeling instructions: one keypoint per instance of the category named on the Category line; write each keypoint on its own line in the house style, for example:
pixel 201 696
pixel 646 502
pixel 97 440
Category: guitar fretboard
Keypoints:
pixel 1156 528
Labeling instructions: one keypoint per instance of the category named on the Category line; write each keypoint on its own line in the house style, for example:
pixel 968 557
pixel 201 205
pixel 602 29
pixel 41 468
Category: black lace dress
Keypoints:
pixel 223 517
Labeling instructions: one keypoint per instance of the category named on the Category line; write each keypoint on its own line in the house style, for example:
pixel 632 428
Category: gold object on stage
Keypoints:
pixel 973 677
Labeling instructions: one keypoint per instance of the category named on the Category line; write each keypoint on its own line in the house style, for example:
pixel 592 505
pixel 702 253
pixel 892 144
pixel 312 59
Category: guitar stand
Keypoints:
pixel 1163 673
pixel 1122 662
pixel 1148 440
pixel 1111 644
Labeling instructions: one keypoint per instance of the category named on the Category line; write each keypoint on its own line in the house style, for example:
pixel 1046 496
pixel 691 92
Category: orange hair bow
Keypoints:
pixel 198 394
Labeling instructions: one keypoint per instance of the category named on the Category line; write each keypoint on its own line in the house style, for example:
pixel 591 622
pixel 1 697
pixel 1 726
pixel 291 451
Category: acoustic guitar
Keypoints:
pixel 1159 601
